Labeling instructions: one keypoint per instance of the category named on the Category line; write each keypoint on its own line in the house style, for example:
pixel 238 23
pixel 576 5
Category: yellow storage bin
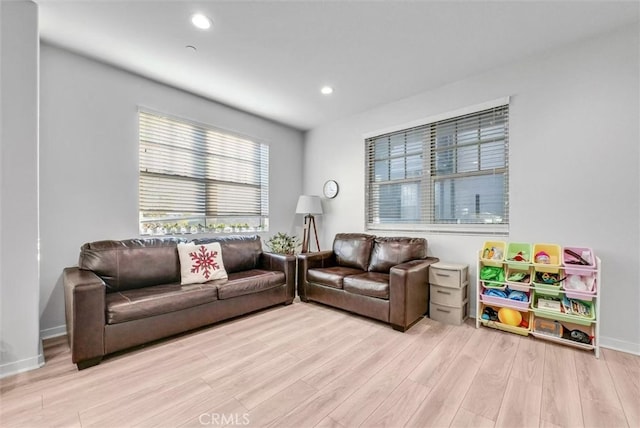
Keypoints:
pixel 547 257
pixel 493 253
pixel 524 329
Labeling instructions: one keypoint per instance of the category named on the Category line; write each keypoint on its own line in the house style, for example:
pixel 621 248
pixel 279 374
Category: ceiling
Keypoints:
pixel 271 58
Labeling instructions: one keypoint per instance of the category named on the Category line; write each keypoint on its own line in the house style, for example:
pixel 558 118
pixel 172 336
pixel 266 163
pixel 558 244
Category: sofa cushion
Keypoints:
pixel 200 263
pixel 388 252
pixel 331 277
pixel 372 284
pixel 249 282
pixel 132 263
pixel 129 305
pixel 353 249
pixel 238 252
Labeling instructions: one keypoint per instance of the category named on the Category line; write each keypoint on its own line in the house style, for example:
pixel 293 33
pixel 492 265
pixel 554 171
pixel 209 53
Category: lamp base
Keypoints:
pixel 309 222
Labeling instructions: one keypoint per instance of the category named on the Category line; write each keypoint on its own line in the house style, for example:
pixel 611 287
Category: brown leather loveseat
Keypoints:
pixel 378 277
pixel 126 293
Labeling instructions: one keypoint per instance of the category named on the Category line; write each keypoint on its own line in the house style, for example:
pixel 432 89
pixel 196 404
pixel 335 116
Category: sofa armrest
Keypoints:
pixel 284 263
pixel 85 314
pixel 306 261
pixel 409 292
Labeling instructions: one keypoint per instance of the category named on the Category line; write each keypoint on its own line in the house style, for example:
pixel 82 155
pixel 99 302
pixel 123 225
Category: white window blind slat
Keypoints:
pixel 441 175
pixel 193 172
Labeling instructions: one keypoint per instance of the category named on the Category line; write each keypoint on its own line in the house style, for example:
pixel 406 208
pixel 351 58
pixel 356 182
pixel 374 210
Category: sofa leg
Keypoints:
pixel 288 302
pixel 303 299
pixel 89 363
pixel 399 327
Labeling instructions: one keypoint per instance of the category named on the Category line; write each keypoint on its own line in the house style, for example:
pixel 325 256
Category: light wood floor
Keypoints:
pixel 306 365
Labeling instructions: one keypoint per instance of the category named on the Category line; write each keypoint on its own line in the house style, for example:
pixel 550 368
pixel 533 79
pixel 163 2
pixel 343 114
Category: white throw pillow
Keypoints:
pixel 200 263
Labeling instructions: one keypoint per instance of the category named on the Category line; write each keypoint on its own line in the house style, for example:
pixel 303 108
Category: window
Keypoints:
pixel 195 178
pixel 449 175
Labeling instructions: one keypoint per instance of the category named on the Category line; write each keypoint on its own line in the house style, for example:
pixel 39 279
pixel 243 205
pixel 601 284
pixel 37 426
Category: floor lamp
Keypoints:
pixel 309 205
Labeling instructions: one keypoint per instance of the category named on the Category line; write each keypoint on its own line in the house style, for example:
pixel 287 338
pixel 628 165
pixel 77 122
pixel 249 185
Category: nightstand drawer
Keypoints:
pixel 447 314
pixel 448 275
pixel 449 296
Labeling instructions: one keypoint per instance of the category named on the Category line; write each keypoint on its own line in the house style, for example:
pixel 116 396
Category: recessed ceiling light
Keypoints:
pixel 326 90
pixel 191 48
pixel 200 21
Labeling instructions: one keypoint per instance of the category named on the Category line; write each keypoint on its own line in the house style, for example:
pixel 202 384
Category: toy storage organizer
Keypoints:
pixel 554 297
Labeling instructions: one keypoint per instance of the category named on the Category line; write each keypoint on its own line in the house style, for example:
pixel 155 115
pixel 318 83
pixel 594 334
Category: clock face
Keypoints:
pixel 330 189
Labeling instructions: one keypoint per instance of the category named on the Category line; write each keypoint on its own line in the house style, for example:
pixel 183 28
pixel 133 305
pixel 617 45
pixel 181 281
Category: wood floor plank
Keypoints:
pixel 358 372
pixel 230 413
pixel 280 404
pixel 133 409
pixel 429 371
pixel 358 407
pixel 595 382
pixel 520 405
pixel 560 391
pixel 528 364
pixel 261 389
pixel 486 392
pixel 627 384
pixel 465 418
pixel 399 406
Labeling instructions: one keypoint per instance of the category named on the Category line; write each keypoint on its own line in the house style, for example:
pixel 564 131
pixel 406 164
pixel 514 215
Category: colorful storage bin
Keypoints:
pixel 550 252
pixel 587 289
pixel 518 254
pixel 505 301
pixel 547 288
pixel 562 316
pixel 569 258
pixel 514 272
pixel 493 253
pixel 522 330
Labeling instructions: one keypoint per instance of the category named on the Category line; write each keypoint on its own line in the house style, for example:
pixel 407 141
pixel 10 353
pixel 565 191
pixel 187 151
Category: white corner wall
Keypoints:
pixel 574 162
pixel 89 160
pixel 19 288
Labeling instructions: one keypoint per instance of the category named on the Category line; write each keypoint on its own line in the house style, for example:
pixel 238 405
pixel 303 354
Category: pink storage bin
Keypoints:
pixel 577 269
pixel 588 294
pixel 499 301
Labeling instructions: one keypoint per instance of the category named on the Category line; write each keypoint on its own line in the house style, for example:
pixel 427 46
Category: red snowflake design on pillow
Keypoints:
pixel 204 261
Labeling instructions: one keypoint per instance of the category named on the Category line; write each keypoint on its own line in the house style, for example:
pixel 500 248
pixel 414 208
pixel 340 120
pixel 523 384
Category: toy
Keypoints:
pixel 489 314
pixel 509 316
pixel 542 257
pixel 492 253
pixel 518 277
pixel 518 295
pixel 576 335
pixel 548 278
pixel 520 257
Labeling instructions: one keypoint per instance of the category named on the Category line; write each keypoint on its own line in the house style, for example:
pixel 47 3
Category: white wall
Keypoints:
pixel 89 160
pixel 574 162
pixel 19 318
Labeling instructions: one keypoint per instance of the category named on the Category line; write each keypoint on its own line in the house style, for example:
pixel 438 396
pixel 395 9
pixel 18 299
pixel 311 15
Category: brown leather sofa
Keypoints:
pixel 126 293
pixel 378 277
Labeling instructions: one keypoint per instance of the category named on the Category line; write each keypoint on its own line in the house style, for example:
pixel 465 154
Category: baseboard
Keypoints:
pixel 48 333
pixel 620 345
pixel 24 365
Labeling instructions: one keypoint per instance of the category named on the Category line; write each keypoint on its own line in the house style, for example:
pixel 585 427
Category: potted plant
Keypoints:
pixel 282 243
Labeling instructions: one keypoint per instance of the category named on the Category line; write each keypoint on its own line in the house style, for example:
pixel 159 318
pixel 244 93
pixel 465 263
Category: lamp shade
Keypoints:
pixel 309 205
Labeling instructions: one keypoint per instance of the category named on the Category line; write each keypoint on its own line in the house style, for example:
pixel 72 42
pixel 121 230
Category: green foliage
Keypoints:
pixel 282 243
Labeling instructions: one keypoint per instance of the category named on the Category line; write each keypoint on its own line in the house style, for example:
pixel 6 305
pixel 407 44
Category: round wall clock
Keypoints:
pixel 330 189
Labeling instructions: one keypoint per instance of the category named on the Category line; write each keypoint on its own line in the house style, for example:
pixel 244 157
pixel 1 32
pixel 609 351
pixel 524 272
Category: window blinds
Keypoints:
pixel 433 176
pixel 192 170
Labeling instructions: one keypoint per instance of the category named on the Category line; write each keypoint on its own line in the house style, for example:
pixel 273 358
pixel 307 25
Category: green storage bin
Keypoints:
pixel 516 248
